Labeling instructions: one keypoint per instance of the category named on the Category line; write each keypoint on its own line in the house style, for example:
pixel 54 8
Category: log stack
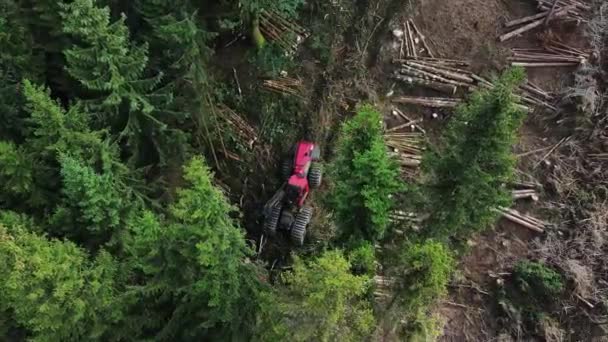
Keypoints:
pixel 405 142
pixel 284 32
pixel 244 131
pixel 413 42
pixel 452 77
pixel 547 57
pixel 284 85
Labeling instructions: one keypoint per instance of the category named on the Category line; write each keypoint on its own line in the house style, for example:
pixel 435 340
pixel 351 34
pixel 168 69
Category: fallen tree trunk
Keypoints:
pixel 428 101
pixel 446 88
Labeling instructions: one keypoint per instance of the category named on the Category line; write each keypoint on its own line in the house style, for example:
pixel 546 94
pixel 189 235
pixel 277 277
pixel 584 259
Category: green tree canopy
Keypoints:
pixel 51 289
pixel 321 300
pixel 365 178
pixel 194 261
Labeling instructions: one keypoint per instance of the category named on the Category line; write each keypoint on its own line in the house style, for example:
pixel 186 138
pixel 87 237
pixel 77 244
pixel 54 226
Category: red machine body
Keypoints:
pixel 303 158
pixel 286 210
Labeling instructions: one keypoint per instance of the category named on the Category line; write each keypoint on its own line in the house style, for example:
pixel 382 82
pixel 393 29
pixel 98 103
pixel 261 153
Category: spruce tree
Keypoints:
pixel 365 177
pixel 18 59
pixel 468 173
pixel 192 261
pixel 111 70
pixel 51 289
pixel 320 300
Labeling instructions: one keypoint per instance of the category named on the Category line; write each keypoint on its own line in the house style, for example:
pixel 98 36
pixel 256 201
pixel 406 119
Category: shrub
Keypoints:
pixel 365 178
pixel 538 280
pixel 424 272
pixel 363 259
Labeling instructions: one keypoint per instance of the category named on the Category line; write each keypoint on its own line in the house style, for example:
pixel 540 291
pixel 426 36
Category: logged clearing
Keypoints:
pixel 290 170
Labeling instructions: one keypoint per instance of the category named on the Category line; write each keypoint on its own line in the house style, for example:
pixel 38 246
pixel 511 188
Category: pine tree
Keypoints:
pixel 365 177
pixel 467 176
pixel 51 289
pixel 319 301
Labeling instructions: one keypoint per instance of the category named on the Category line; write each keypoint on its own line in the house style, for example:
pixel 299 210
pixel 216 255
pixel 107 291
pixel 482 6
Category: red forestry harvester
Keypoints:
pixel 286 210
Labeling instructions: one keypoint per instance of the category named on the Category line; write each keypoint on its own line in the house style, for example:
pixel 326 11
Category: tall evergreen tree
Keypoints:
pixel 467 175
pixel 193 262
pixel 18 59
pixel 365 177
pixel 111 70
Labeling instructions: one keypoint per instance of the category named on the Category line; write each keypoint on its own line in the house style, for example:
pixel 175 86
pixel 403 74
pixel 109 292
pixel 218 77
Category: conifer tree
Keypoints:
pixel 50 289
pixel 193 261
pixel 320 301
pixel 365 177
pixel 111 70
pixel 467 176
pixel 18 59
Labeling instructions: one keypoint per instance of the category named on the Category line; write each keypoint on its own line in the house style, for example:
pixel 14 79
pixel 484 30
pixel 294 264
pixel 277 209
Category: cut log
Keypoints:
pixel 446 88
pixel 544 65
pixel 448 74
pixel 521 30
pixel 525 20
pixel 437 102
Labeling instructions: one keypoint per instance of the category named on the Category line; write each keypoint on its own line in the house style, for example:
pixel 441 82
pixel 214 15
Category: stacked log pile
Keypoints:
pixel 245 132
pixel 554 54
pixel 286 33
pixel 566 10
pixel 284 85
pixel 406 144
pixel 452 77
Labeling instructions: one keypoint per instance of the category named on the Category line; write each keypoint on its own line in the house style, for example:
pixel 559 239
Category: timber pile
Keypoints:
pixel 287 34
pixel 553 55
pixel 522 219
pixel 565 10
pixel 413 42
pixel 242 128
pixel 406 147
pixel 440 74
pixel 448 75
pixel 284 85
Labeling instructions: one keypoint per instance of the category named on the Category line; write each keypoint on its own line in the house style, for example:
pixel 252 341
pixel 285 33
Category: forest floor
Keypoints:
pixel 455 29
